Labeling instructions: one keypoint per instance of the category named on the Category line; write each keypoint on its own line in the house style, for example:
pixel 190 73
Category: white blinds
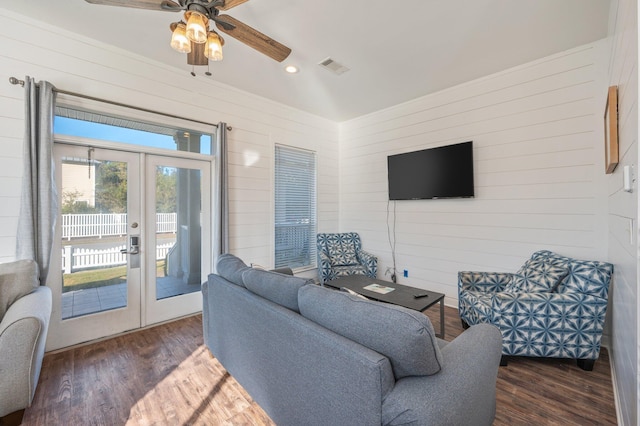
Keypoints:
pixel 295 207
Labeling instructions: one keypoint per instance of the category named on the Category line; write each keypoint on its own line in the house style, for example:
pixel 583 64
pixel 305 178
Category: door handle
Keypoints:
pixel 134 246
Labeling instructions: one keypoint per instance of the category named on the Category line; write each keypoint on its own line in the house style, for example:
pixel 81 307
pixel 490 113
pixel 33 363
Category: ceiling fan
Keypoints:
pixel 193 35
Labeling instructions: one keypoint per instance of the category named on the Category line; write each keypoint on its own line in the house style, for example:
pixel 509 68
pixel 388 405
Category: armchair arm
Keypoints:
pixel 557 325
pixel 325 272
pixel 462 393
pixel 369 261
pixel 23 333
pixel 489 282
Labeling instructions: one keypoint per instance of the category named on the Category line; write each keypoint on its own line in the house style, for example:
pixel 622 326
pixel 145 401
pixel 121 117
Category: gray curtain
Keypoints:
pixel 39 198
pixel 221 196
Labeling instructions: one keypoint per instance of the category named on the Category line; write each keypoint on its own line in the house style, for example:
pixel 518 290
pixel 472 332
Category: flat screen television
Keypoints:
pixel 442 172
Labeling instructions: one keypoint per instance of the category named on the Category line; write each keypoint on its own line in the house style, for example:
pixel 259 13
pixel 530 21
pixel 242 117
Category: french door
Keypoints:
pixel 133 241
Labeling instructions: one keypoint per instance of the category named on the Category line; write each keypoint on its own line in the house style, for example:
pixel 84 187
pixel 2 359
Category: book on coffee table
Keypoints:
pixel 377 288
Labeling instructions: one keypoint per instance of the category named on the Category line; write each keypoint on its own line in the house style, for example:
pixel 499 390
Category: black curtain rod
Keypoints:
pixel 19 82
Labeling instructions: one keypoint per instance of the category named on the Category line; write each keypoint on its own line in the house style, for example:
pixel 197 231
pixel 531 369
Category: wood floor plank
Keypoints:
pixel 165 376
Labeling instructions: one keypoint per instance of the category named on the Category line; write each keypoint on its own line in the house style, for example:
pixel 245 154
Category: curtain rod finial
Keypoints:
pixel 14 81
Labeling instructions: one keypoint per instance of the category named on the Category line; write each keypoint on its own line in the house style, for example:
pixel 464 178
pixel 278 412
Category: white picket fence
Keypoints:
pixel 78 258
pixel 107 224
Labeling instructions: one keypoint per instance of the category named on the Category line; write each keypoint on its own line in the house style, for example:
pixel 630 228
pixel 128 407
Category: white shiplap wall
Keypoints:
pixel 539 172
pixel 623 210
pixel 85 66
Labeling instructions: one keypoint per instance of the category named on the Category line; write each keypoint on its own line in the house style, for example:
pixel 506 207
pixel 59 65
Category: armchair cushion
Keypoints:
pixel 342 253
pixel 537 276
pixel 17 279
pixel 404 336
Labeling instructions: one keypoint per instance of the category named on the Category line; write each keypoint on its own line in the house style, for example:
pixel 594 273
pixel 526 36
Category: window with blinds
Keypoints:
pixel 295 208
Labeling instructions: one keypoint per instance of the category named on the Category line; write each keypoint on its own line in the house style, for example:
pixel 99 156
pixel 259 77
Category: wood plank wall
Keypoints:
pixel 85 66
pixel 538 162
pixel 622 71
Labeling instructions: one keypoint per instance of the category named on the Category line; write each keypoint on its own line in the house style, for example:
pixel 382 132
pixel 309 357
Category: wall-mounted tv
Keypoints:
pixel 442 172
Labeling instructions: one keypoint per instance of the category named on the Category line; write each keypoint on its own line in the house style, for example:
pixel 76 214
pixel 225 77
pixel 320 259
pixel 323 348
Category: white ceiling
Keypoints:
pixel 396 50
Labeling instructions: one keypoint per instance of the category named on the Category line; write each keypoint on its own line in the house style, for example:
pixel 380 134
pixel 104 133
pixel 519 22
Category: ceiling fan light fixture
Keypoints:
pixel 197 26
pixel 213 48
pixel 179 40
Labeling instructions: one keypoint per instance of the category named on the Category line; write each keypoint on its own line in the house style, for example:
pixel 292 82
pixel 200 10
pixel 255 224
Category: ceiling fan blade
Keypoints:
pixel 166 5
pixel 252 37
pixel 228 4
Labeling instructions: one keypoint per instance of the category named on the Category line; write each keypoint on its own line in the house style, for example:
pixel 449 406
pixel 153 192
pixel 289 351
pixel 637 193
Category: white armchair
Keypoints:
pixel 25 311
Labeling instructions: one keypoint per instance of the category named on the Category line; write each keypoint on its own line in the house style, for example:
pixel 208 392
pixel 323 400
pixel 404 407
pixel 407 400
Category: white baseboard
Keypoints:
pixel 614 380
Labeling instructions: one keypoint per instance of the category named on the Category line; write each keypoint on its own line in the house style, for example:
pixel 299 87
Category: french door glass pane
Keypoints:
pixel 94 230
pixel 178 231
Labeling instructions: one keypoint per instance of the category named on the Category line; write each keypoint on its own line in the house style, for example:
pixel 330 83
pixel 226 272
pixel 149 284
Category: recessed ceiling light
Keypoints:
pixel 291 69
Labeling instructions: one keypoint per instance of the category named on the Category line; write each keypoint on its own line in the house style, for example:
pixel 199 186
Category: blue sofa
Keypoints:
pixel 553 307
pixel 309 355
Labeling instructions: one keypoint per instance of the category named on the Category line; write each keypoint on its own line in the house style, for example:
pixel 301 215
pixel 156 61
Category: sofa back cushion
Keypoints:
pixel 276 287
pixel 17 279
pixel 404 336
pixel 590 277
pixel 231 268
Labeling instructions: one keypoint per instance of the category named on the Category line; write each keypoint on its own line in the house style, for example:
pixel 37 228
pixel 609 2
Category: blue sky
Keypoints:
pixel 74 127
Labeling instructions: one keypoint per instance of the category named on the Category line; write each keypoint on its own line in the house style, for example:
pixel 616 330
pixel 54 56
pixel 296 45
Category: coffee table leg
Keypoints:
pixel 441 318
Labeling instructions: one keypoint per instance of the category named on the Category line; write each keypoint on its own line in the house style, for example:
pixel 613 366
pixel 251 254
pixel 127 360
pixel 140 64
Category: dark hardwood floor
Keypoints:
pixel 166 376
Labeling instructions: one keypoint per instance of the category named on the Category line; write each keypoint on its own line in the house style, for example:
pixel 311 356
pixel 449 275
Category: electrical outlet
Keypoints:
pixel 406 273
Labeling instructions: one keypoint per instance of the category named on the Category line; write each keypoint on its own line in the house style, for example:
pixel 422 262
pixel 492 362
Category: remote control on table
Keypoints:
pixel 419 295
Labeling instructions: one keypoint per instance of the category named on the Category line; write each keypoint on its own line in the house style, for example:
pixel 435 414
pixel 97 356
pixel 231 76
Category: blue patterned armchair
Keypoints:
pixel 554 306
pixel 342 254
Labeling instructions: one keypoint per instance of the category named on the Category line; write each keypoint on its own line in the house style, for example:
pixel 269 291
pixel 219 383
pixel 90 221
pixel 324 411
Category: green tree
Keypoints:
pixel 111 187
pixel 71 205
pixel 166 189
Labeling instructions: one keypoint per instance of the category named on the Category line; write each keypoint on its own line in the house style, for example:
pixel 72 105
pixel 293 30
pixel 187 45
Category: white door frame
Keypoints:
pixel 80 329
pixel 173 307
pixel 142 307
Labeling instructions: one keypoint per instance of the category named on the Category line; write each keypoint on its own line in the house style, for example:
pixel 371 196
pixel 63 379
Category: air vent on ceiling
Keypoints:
pixel 333 66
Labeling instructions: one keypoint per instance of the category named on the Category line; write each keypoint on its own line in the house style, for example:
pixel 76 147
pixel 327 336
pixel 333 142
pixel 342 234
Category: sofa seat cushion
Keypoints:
pixel 537 276
pixel 278 288
pixel 17 279
pixel 231 268
pixel 404 336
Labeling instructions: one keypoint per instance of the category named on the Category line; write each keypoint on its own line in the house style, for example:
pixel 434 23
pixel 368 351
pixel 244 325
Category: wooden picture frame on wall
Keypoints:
pixel 611 131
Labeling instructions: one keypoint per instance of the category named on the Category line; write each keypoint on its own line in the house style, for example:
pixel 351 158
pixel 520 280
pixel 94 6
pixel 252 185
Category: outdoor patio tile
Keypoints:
pixel 82 310
pixel 113 304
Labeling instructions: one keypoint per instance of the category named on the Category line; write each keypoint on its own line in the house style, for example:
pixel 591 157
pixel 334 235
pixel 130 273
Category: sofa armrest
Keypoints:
pixel 23 333
pixel 369 261
pixel 462 393
pixel 488 282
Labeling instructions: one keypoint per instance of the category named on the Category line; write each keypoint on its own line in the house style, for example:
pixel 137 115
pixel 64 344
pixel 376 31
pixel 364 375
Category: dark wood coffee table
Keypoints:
pixel 402 295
